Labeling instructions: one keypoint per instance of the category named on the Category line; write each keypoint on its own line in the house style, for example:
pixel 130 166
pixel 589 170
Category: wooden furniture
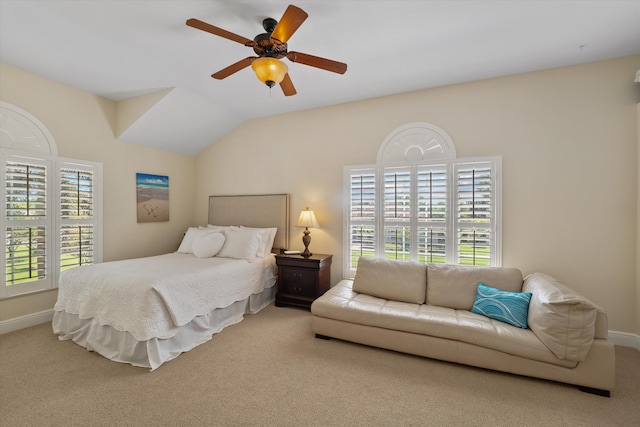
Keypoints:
pixel 302 279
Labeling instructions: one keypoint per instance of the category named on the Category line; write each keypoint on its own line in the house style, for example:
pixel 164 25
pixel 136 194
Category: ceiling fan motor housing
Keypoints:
pixel 267 46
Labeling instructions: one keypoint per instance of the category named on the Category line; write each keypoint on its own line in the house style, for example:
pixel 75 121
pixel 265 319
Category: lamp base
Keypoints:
pixel 306 239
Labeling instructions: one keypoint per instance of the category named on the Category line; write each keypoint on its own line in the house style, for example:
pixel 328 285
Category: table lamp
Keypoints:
pixel 307 219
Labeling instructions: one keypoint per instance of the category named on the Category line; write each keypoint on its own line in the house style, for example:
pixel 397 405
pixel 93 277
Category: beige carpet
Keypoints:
pixel 269 370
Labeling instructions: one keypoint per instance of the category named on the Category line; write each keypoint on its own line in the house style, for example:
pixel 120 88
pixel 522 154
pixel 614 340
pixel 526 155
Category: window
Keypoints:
pixel 475 213
pixel 420 203
pixel 431 213
pixel 362 214
pixel 50 220
pixel 77 215
pixel 51 213
pixel 26 216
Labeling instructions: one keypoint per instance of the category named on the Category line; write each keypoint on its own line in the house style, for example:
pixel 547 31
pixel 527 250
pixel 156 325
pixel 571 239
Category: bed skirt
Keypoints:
pixel 121 346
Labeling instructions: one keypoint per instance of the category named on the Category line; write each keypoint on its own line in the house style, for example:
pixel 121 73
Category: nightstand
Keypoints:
pixel 302 279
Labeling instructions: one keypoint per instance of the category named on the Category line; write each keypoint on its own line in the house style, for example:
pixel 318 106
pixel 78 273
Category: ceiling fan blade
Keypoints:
pixel 287 86
pixel 233 68
pixel 196 23
pixel 316 61
pixel 291 20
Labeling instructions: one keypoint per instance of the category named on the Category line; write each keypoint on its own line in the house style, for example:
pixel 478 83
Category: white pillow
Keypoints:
pixel 266 236
pixel 186 247
pixel 212 227
pixel 208 245
pixel 239 244
pixel 187 240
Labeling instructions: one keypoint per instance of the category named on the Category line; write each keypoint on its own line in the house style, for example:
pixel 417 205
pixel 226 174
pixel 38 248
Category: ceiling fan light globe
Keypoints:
pixel 269 70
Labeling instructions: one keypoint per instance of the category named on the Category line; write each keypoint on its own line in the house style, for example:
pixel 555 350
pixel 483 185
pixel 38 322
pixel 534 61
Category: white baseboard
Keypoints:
pixel 25 321
pixel 625 339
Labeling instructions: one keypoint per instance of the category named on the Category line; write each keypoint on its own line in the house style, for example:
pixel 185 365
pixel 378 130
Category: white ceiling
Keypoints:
pixel 119 49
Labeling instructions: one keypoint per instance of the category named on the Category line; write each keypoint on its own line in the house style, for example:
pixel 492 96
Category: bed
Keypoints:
pixel 147 311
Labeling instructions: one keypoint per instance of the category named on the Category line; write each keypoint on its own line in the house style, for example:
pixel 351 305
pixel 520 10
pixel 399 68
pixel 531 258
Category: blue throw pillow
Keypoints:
pixel 508 307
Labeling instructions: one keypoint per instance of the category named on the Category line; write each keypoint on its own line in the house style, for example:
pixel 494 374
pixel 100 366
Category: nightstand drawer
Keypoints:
pixel 298 281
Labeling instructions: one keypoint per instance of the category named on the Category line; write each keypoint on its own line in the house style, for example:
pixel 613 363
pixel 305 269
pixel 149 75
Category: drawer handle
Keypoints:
pixel 297 275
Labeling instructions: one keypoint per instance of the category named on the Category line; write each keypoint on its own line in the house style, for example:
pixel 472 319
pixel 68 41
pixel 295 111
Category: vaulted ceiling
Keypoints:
pixel 126 49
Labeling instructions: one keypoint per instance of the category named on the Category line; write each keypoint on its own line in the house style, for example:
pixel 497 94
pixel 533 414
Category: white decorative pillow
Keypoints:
pixel 187 240
pixel 266 236
pixel 208 245
pixel 239 244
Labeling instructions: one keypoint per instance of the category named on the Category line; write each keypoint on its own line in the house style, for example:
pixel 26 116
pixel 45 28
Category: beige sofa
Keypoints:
pixel 426 311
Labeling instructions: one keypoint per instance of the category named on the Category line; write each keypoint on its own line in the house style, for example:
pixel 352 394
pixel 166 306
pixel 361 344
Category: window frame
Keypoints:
pixel 451 223
pixel 52 221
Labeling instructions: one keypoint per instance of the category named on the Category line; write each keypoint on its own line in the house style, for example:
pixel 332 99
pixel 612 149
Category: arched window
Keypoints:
pixel 421 203
pixel 51 214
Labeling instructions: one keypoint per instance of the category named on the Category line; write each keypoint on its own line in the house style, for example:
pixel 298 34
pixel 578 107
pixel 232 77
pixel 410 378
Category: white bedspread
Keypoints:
pixel 151 297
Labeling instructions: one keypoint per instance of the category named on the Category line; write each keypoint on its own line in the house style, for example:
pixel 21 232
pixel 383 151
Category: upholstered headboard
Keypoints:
pixel 261 210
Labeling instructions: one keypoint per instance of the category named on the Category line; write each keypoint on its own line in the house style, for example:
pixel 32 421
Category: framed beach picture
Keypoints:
pixel 152 193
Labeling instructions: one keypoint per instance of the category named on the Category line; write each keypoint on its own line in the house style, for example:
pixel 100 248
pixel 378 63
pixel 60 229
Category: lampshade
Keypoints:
pixel 269 70
pixel 307 219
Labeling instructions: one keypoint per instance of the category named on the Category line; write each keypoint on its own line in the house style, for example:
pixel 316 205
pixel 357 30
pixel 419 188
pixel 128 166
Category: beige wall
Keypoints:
pixel 83 127
pixel 568 141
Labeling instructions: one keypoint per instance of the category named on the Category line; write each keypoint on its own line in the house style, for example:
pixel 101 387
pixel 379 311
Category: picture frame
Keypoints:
pixel 152 197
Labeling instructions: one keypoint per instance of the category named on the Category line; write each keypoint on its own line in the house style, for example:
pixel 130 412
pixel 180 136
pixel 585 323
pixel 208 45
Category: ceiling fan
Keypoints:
pixel 270 47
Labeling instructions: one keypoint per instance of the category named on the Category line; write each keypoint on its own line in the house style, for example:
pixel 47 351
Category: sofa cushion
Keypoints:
pixel 390 279
pixel 507 307
pixel 455 286
pixel 562 319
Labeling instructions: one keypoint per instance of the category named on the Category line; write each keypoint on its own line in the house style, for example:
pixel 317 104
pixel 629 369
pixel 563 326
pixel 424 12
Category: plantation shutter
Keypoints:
pixel 429 212
pixel 397 213
pixel 475 213
pixel 25 223
pixel 361 215
pixel 432 214
pixel 77 216
pixel 26 193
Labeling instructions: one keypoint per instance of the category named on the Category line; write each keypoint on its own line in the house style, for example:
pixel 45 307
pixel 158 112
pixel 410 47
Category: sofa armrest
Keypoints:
pixel 561 318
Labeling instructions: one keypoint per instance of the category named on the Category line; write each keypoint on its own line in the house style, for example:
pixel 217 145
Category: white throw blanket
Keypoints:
pixel 151 297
